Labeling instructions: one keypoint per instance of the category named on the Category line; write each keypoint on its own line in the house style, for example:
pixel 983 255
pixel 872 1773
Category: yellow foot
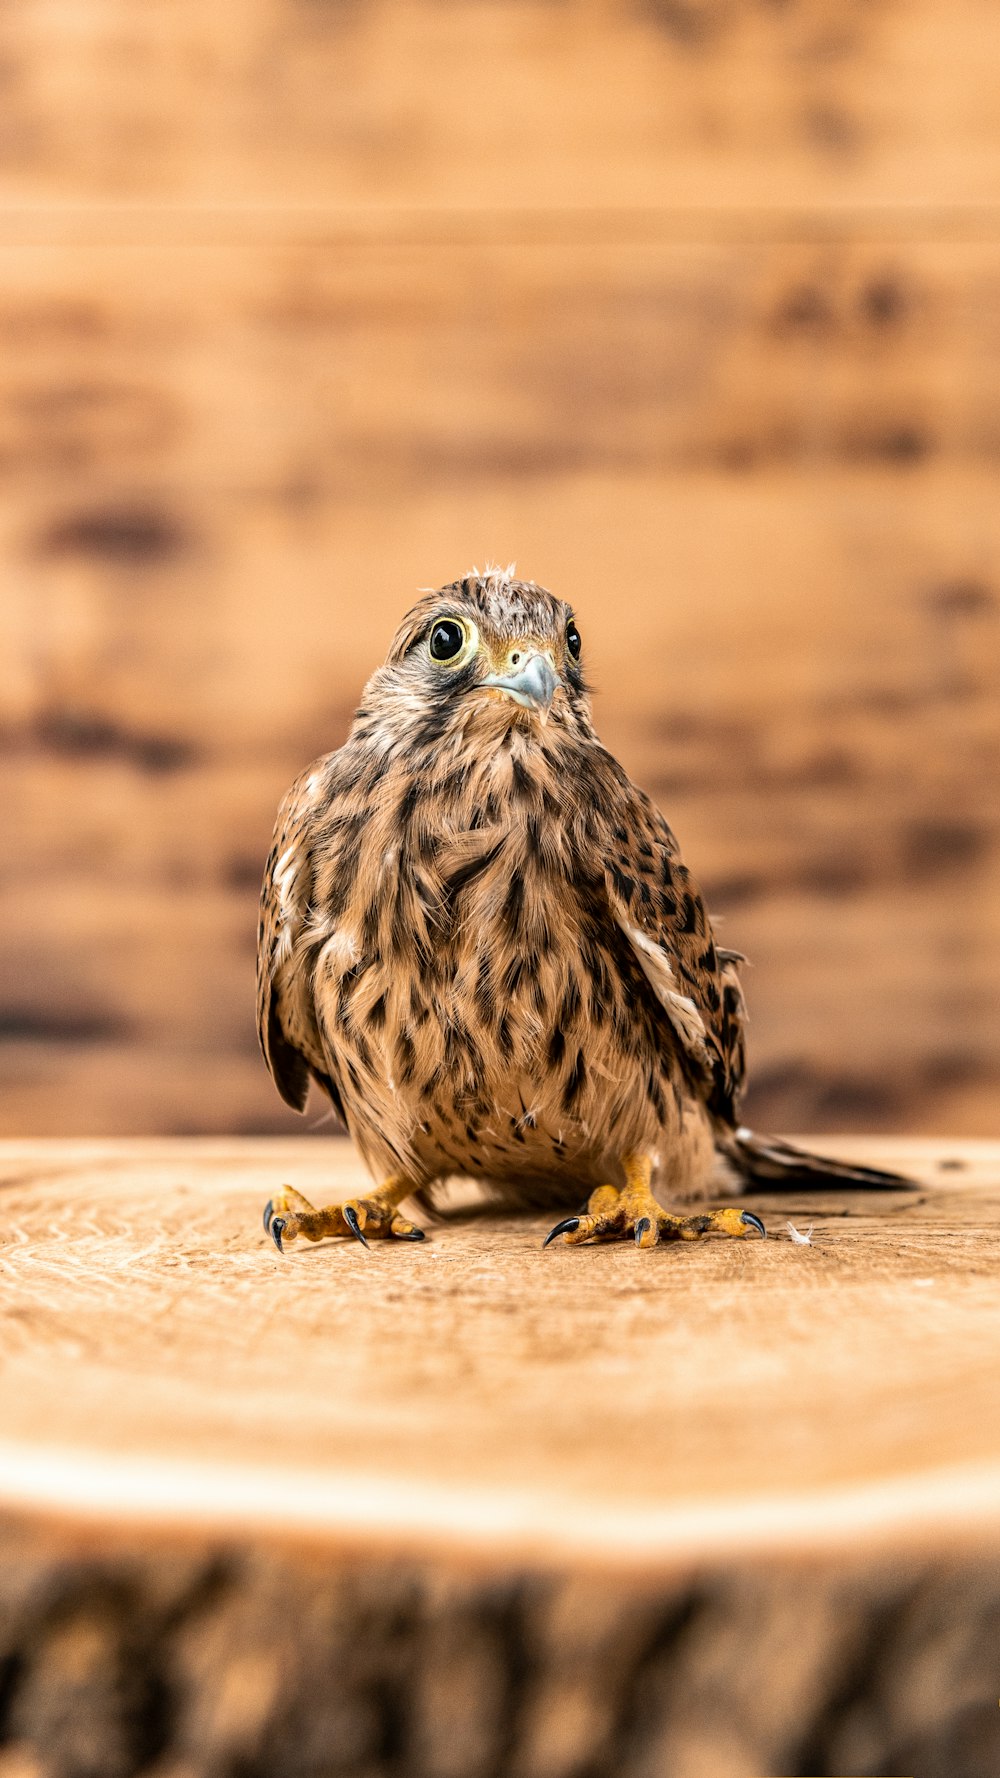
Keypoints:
pixel 289 1215
pixel 633 1213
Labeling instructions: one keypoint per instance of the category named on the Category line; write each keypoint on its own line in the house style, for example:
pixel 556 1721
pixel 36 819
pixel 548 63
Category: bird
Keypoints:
pixel 479 938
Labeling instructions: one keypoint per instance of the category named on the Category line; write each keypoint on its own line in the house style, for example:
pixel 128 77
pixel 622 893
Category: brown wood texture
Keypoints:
pixel 508 103
pixel 193 1660
pixel 690 308
pixel 201 1658
pixel 476 1395
pixel 720 1511
pixel 795 639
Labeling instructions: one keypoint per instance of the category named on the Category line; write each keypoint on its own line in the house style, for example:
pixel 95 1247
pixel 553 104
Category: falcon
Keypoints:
pixel 478 937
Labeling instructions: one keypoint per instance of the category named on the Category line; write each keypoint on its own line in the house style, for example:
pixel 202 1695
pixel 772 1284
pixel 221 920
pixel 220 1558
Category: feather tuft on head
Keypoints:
pixel 499 579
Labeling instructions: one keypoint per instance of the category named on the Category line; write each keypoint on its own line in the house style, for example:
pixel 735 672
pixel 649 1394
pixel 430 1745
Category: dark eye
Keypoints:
pixel 447 639
pixel 573 642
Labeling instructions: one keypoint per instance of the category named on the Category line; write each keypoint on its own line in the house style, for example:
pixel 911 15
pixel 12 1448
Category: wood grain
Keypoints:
pixel 689 307
pixel 720 1511
pixel 765 475
pixel 477 1394
pixel 503 103
pixel 199 1657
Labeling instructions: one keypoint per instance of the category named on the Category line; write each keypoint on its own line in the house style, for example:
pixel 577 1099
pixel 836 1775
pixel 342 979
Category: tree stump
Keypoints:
pixel 468 1507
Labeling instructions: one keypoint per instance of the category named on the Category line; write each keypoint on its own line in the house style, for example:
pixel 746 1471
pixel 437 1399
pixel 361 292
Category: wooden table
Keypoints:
pixel 725 1508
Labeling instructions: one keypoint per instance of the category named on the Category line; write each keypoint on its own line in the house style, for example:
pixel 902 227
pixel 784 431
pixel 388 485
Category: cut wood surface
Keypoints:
pixel 474 1395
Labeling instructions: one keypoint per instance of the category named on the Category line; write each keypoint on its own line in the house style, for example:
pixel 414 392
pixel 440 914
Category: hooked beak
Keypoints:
pixel 533 686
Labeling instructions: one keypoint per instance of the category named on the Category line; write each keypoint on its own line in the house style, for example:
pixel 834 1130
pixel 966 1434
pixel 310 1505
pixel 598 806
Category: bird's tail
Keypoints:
pixel 768 1162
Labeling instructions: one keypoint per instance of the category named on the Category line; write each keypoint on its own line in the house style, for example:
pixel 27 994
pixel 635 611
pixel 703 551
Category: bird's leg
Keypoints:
pixel 633 1213
pixel 289 1215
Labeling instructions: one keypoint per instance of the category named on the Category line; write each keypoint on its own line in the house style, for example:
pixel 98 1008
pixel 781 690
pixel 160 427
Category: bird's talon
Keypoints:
pixel 568 1226
pixel 646 1232
pixel 288 1216
pixel 729 1221
pixel 351 1218
pixel 401 1230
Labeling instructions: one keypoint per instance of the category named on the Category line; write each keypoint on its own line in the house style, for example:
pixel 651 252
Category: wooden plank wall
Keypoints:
pixel 693 308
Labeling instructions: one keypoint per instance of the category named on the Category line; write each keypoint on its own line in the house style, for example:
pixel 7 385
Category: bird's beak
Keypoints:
pixel 534 685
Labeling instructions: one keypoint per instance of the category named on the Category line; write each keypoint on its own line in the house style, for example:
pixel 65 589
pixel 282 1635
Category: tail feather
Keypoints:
pixel 768 1161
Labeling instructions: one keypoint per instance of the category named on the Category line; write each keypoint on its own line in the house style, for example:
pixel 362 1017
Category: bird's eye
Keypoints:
pixel 447 639
pixel 573 642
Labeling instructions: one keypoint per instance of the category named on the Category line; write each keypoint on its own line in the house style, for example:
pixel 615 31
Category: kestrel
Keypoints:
pixel 478 937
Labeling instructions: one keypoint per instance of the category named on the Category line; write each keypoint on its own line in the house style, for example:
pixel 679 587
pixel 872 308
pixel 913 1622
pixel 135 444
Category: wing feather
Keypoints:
pixel 286 1019
pixel 656 903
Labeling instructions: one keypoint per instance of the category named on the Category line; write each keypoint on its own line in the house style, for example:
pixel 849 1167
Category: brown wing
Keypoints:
pixel 658 906
pixel 286 1019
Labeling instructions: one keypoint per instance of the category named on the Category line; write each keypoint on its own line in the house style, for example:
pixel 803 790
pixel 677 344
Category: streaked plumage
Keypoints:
pixel 478 937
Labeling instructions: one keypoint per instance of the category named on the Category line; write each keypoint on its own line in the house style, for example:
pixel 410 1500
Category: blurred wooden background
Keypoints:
pixel 692 307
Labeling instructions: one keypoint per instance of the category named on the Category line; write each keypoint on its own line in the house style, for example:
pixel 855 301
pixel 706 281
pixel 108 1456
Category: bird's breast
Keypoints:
pixel 474 1002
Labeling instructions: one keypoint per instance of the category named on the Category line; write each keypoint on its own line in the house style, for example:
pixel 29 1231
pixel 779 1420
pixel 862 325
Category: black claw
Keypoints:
pixel 268 1213
pixel 640 1229
pixel 753 1222
pixel 277 1224
pixel 412 1235
pixel 565 1227
pixel 351 1219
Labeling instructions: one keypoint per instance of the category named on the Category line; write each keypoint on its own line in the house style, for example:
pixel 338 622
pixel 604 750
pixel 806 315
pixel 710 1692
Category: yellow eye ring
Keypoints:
pixel 452 641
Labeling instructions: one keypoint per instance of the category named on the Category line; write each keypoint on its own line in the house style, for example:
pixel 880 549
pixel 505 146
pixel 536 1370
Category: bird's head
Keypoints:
pixel 487 649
